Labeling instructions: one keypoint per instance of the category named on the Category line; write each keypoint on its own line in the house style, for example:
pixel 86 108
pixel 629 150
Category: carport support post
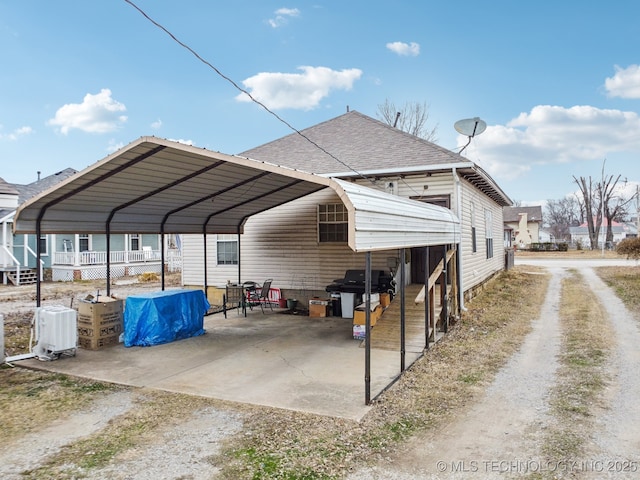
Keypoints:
pixel 108 276
pixel 403 252
pixel 204 252
pixel 445 281
pixel 162 259
pixel 38 269
pixel 427 298
pixel 367 330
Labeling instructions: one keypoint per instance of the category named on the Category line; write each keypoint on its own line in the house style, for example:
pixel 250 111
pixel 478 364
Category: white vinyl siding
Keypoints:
pixel 283 243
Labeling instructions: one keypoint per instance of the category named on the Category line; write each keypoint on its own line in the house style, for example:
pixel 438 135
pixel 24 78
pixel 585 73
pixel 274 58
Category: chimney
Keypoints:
pixel 38 175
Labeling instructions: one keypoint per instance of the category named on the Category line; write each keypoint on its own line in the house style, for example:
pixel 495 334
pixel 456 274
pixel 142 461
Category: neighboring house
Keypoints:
pixel 580 234
pixel 302 244
pixel 525 223
pixel 71 256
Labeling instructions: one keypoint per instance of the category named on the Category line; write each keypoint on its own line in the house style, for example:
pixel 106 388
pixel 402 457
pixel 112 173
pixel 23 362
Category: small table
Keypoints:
pixel 235 295
pixel 239 296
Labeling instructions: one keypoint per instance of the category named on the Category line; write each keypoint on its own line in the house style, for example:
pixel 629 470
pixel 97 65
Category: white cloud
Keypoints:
pixel 553 135
pixel 96 114
pixel 625 83
pixel 16 134
pixel 406 49
pixel 114 146
pixel 180 140
pixel 302 91
pixel 282 16
pixel 156 125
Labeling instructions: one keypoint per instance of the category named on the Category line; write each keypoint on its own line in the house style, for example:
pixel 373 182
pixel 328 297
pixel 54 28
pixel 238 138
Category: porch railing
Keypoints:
pixel 100 258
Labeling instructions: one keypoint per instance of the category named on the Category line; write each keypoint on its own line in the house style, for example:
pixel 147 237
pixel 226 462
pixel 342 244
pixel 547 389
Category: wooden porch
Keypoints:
pixel 386 334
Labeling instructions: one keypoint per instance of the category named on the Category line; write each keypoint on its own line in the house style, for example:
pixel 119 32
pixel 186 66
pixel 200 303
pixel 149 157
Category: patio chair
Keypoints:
pixel 260 295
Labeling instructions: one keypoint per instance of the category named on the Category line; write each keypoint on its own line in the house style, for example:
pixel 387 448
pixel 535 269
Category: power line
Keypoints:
pixel 237 87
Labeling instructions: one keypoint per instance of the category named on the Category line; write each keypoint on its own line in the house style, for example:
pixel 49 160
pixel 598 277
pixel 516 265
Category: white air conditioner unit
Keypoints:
pixel 56 332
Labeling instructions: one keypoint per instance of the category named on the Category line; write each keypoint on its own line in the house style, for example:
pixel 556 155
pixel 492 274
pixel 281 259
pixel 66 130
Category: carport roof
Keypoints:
pixel 159 186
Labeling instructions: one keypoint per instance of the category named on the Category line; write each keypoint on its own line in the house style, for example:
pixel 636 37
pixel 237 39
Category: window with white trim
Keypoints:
pixel 488 220
pixel 227 249
pixel 84 241
pixel 43 245
pixel 474 242
pixel 333 223
pixel 134 241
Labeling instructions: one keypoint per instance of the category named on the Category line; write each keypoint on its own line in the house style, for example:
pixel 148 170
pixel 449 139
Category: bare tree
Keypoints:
pixel 615 206
pixel 561 214
pixel 591 195
pixel 411 118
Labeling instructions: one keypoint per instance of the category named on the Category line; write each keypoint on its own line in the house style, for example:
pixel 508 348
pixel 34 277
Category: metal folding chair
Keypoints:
pixel 260 295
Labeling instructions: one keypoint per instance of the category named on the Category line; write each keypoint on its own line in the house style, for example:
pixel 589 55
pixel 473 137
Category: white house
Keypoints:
pixel 302 244
pixel 525 224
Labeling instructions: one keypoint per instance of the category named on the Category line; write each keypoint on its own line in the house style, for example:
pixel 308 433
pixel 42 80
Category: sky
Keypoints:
pixel 556 82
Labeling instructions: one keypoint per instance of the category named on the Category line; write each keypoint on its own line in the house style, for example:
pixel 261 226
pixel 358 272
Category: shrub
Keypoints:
pixel 629 247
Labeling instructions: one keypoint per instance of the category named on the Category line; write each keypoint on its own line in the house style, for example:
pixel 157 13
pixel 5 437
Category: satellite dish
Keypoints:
pixel 470 127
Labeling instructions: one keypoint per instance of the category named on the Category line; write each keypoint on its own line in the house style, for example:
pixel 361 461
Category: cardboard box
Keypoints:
pixel 101 323
pixel 318 308
pixel 359 316
pixel 94 343
pixel 385 300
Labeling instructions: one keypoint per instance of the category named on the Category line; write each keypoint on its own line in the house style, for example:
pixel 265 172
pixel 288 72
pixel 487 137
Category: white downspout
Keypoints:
pixel 458 193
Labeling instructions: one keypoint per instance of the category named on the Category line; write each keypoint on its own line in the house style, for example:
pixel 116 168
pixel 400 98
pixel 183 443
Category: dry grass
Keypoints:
pixel 625 282
pixel 581 378
pixel 48 396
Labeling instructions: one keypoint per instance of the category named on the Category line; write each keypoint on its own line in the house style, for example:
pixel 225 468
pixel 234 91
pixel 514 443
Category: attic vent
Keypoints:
pixel 391 186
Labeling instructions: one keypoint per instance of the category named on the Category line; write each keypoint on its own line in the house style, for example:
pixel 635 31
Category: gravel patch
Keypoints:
pixel 29 451
pixel 184 451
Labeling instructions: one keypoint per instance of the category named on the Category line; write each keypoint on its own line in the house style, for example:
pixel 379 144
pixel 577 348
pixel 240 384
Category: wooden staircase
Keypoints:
pixel 386 333
pixel 27 277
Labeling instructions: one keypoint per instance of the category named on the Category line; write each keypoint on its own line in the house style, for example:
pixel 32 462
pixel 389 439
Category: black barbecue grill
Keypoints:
pixel 354 282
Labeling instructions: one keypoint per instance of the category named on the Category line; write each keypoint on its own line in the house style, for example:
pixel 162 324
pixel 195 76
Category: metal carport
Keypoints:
pixel 159 186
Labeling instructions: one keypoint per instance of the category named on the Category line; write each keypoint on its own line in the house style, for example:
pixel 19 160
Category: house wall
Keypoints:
pixel 532 235
pixel 476 267
pixel 8 201
pixel 282 243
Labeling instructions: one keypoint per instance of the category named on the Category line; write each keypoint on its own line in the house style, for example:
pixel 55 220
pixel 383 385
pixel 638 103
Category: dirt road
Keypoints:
pixel 501 435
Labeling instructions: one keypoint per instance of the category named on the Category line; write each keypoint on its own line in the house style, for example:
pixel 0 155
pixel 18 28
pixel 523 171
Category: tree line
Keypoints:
pixel 595 202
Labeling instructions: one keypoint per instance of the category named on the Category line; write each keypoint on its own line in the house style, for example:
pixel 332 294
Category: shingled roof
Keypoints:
pixel 360 143
pixel 34 188
pixel 511 214
pixel 354 145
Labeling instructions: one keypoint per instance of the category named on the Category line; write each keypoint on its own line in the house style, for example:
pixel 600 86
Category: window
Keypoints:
pixel 227 248
pixel 474 243
pixel 333 222
pixel 134 241
pixel 43 245
pixel 84 242
pixel 488 232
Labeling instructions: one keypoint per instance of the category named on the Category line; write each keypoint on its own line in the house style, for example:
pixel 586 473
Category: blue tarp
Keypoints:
pixel 162 317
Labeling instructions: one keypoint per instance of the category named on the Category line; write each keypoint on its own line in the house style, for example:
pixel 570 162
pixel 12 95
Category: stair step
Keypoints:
pixel 27 277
